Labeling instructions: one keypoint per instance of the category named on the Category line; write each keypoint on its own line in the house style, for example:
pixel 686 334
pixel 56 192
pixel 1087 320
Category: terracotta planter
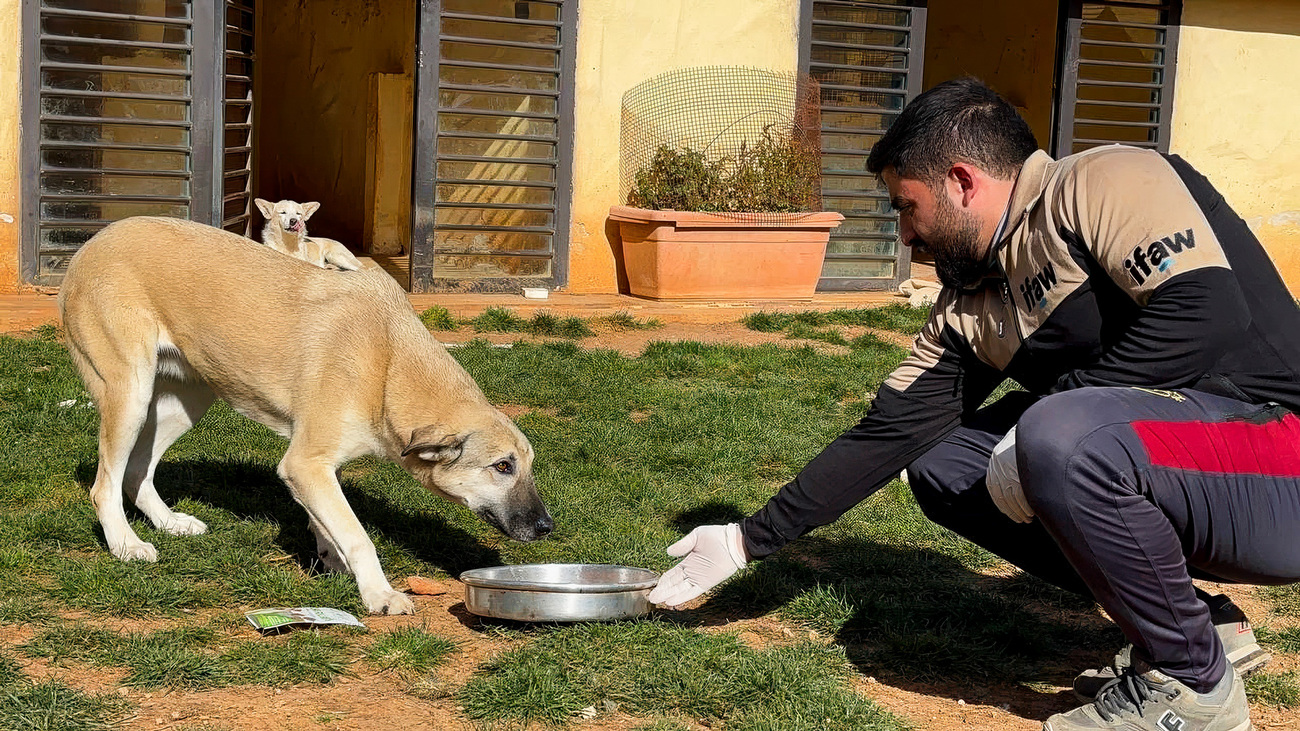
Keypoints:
pixel 687 255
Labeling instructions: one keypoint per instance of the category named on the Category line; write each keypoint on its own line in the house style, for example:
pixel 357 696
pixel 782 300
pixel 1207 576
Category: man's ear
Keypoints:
pixel 308 209
pixel 432 444
pixel 963 178
pixel 265 206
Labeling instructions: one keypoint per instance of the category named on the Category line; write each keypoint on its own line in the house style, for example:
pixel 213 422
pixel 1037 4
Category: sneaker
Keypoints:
pixel 1235 634
pixel 1145 699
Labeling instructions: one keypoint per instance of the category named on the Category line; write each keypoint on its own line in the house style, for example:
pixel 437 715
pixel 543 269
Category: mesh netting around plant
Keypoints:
pixel 724 139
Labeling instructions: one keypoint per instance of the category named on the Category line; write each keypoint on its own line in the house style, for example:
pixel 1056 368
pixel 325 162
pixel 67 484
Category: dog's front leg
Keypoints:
pixel 314 486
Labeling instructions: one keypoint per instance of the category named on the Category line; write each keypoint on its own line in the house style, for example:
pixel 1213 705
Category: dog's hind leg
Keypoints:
pixel 123 389
pixel 176 406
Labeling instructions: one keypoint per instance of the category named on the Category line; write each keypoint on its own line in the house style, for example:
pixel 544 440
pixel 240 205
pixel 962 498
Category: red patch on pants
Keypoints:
pixel 1233 447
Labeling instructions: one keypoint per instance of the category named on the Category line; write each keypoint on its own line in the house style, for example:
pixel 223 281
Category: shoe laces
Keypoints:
pixel 1130 692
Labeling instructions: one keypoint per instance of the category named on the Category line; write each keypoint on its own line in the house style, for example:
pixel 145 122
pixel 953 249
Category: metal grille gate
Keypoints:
pixel 493 144
pixel 867 58
pixel 1117 78
pixel 114 121
pixel 237 137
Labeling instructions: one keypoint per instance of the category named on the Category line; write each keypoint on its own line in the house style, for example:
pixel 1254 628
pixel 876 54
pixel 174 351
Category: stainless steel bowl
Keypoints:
pixel 559 592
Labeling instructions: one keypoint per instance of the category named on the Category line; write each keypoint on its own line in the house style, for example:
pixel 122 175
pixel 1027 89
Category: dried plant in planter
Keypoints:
pixel 770 176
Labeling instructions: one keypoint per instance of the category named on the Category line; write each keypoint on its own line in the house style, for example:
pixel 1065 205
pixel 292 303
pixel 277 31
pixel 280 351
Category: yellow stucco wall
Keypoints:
pixel 624 42
pixel 1009 44
pixel 10 111
pixel 1237 113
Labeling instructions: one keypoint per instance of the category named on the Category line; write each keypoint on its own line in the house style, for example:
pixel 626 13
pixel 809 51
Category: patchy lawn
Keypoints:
pixel 881 621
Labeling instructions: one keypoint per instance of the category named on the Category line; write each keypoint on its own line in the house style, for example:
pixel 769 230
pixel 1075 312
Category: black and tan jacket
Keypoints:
pixel 1115 267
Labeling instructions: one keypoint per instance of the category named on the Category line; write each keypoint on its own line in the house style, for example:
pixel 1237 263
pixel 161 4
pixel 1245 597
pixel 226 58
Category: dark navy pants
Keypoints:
pixel 1135 493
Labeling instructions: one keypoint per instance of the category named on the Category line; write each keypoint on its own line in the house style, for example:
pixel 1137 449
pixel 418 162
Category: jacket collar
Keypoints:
pixel 1029 188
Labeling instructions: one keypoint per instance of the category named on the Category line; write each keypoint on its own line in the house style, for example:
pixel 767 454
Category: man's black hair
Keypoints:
pixel 957 121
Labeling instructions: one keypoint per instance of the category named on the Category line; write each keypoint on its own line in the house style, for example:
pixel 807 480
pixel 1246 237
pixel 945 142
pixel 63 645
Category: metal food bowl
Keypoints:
pixel 559 592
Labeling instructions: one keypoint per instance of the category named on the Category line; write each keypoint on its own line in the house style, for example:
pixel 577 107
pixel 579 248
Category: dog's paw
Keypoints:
pixel 185 525
pixel 139 551
pixel 389 602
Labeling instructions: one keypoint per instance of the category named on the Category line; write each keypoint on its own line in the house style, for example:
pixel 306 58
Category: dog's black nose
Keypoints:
pixel 544 526
pixel 293 221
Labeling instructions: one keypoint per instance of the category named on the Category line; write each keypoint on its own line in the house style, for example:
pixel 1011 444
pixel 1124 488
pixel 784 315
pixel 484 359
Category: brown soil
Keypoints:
pixel 370 699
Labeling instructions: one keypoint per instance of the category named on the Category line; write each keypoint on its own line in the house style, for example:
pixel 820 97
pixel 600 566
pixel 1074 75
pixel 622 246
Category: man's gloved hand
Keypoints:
pixel 1003 479
pixel 713 553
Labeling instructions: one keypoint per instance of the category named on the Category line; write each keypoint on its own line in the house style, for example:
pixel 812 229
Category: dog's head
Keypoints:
pixel 485 465
pixel 288 215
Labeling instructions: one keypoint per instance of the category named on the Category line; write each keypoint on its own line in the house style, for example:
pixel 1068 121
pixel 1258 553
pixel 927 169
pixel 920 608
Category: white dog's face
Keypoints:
pixel 288 215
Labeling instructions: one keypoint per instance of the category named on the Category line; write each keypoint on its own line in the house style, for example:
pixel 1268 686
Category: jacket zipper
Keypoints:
pixel 1008 302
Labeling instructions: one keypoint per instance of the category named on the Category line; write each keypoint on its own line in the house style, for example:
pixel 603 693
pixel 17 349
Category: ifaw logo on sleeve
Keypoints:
pixel 1157 257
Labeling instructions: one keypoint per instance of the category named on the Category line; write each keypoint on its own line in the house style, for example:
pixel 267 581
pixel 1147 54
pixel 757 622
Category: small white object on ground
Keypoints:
pixel 536 293
pixel 271 619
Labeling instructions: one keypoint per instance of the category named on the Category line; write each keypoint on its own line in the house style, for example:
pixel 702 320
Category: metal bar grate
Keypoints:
pixel 1117 78
pixel 492 148
pixel 237 138
pixel 866 56
pixel 109 123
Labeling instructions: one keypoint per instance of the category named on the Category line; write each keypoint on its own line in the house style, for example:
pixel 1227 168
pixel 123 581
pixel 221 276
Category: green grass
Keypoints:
pixel 653 668
pixel 53 706
pixel 542 323
pixel 438 318
pixel 623 320
pixel 196 657
pixel 1287 640
pixel 303 657
pixel 1284 599
pixel 896 317
pixel 409 649
pixel 717 430
pixel 1280 690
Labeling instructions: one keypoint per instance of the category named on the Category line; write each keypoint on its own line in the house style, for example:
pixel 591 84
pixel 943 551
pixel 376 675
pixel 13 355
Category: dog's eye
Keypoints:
pixel 504 467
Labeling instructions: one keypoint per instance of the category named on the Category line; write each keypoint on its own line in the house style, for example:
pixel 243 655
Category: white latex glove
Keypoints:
pixel 713 553
pixel 1003 479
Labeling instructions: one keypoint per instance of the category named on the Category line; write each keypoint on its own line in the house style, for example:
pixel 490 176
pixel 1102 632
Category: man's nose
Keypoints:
pixel 906 236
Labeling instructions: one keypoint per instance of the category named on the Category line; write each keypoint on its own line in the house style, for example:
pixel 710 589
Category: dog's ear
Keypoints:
pixel 308 209
pixel 432 444
pixel 265 206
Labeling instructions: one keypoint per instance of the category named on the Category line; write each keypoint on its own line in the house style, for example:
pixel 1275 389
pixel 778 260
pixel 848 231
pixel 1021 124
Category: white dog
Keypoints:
pixel 286 232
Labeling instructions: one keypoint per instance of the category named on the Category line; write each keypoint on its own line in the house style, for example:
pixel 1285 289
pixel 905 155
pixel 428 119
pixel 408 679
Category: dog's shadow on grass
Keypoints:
pixel 921 620
pixel 252 490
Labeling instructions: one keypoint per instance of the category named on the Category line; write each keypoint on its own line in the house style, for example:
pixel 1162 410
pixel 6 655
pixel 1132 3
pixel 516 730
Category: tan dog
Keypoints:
pixel 286 232
pixel 164 315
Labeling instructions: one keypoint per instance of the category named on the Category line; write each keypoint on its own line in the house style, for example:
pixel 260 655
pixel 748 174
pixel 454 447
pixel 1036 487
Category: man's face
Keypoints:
pixel 930 221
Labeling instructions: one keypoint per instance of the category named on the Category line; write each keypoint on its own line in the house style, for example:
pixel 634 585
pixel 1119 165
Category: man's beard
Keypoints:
pixel 956 248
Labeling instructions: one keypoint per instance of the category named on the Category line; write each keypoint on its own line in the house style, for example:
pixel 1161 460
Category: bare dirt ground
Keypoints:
pixel 369 700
